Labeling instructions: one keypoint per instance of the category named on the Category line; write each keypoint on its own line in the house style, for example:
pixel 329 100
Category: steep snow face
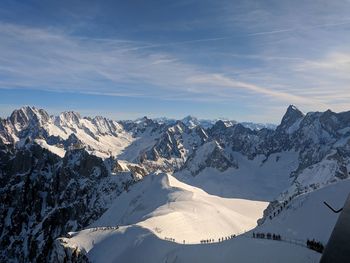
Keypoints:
pixel 257 179
pixel 305 216
pixel 173 209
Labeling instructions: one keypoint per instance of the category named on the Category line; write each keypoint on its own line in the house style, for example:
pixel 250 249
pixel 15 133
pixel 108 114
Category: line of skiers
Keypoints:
pixel 226 238
pixel 221 239
pixel 104 228
pixel 311 244
pixel 206 241
pixel 315 245
pixel 268 236
pixel 169 239
pixel 279 208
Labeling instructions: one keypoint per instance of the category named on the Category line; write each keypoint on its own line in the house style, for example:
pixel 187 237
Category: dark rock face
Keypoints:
pixel 61 253
pixel 209 155
pixel 142 126
pixel 44 197
pixel 289 118
pixel 175 144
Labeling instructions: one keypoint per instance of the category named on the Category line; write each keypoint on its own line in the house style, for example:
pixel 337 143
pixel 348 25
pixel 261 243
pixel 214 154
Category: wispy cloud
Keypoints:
pixel 49 60
pixel 222 81
pixel 53 60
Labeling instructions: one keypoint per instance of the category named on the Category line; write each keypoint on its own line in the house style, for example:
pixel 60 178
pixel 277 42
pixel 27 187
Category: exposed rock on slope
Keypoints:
pixel 44 197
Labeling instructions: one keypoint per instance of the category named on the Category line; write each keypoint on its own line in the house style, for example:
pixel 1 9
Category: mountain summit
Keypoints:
pixel 292 115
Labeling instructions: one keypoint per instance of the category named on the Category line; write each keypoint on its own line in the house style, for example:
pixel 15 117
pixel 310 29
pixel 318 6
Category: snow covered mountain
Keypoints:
pixel 161 180
pixel 258 126
pixel 100 136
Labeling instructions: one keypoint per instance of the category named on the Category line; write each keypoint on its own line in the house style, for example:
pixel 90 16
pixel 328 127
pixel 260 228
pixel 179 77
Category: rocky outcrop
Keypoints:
pixel 67 254
pixel 209 155
pixel 44 196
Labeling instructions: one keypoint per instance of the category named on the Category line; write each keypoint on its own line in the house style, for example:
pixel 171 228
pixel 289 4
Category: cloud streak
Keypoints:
pixel 41 59
pixel 52 60
pixel 220 80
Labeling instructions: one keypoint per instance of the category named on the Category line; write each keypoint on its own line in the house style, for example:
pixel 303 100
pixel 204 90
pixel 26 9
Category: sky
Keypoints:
pixel 242 60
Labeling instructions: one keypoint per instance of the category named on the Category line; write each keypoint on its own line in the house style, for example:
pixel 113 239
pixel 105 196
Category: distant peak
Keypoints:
pixel 189 117
pixel 190 121
pixel 292 107
pixel 290 117
pixel 28 110
pixel 219 125
pixel 70 113
pixel 26 113
pixel 142 119
pixel 294 110
pixel 101 120
pixel 70 116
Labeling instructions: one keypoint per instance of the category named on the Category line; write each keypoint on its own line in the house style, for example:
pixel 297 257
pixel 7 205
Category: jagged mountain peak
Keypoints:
pixel 179 126
pixel 293 111
pixel 144 119
pixel 69 117
pixel 218 127
pixel 144 122
pixel 21 118
pixel 189 117
pixel 209 154
pixel 292 115
pixel 191 121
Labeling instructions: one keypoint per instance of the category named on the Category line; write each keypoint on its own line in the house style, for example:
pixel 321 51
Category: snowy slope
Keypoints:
pixel 306 216
pixel 137 244
pixel 257 179
pixel 223 177
pixel 172 209
pixel 161 207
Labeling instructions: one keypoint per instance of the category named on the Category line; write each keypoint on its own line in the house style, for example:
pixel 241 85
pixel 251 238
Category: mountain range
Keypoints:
pixel 75 187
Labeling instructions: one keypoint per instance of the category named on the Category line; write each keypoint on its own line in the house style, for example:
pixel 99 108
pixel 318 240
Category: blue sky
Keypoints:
pixel 243 60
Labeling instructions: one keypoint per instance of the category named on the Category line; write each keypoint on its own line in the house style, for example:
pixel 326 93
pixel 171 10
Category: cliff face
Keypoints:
pixel 45 196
